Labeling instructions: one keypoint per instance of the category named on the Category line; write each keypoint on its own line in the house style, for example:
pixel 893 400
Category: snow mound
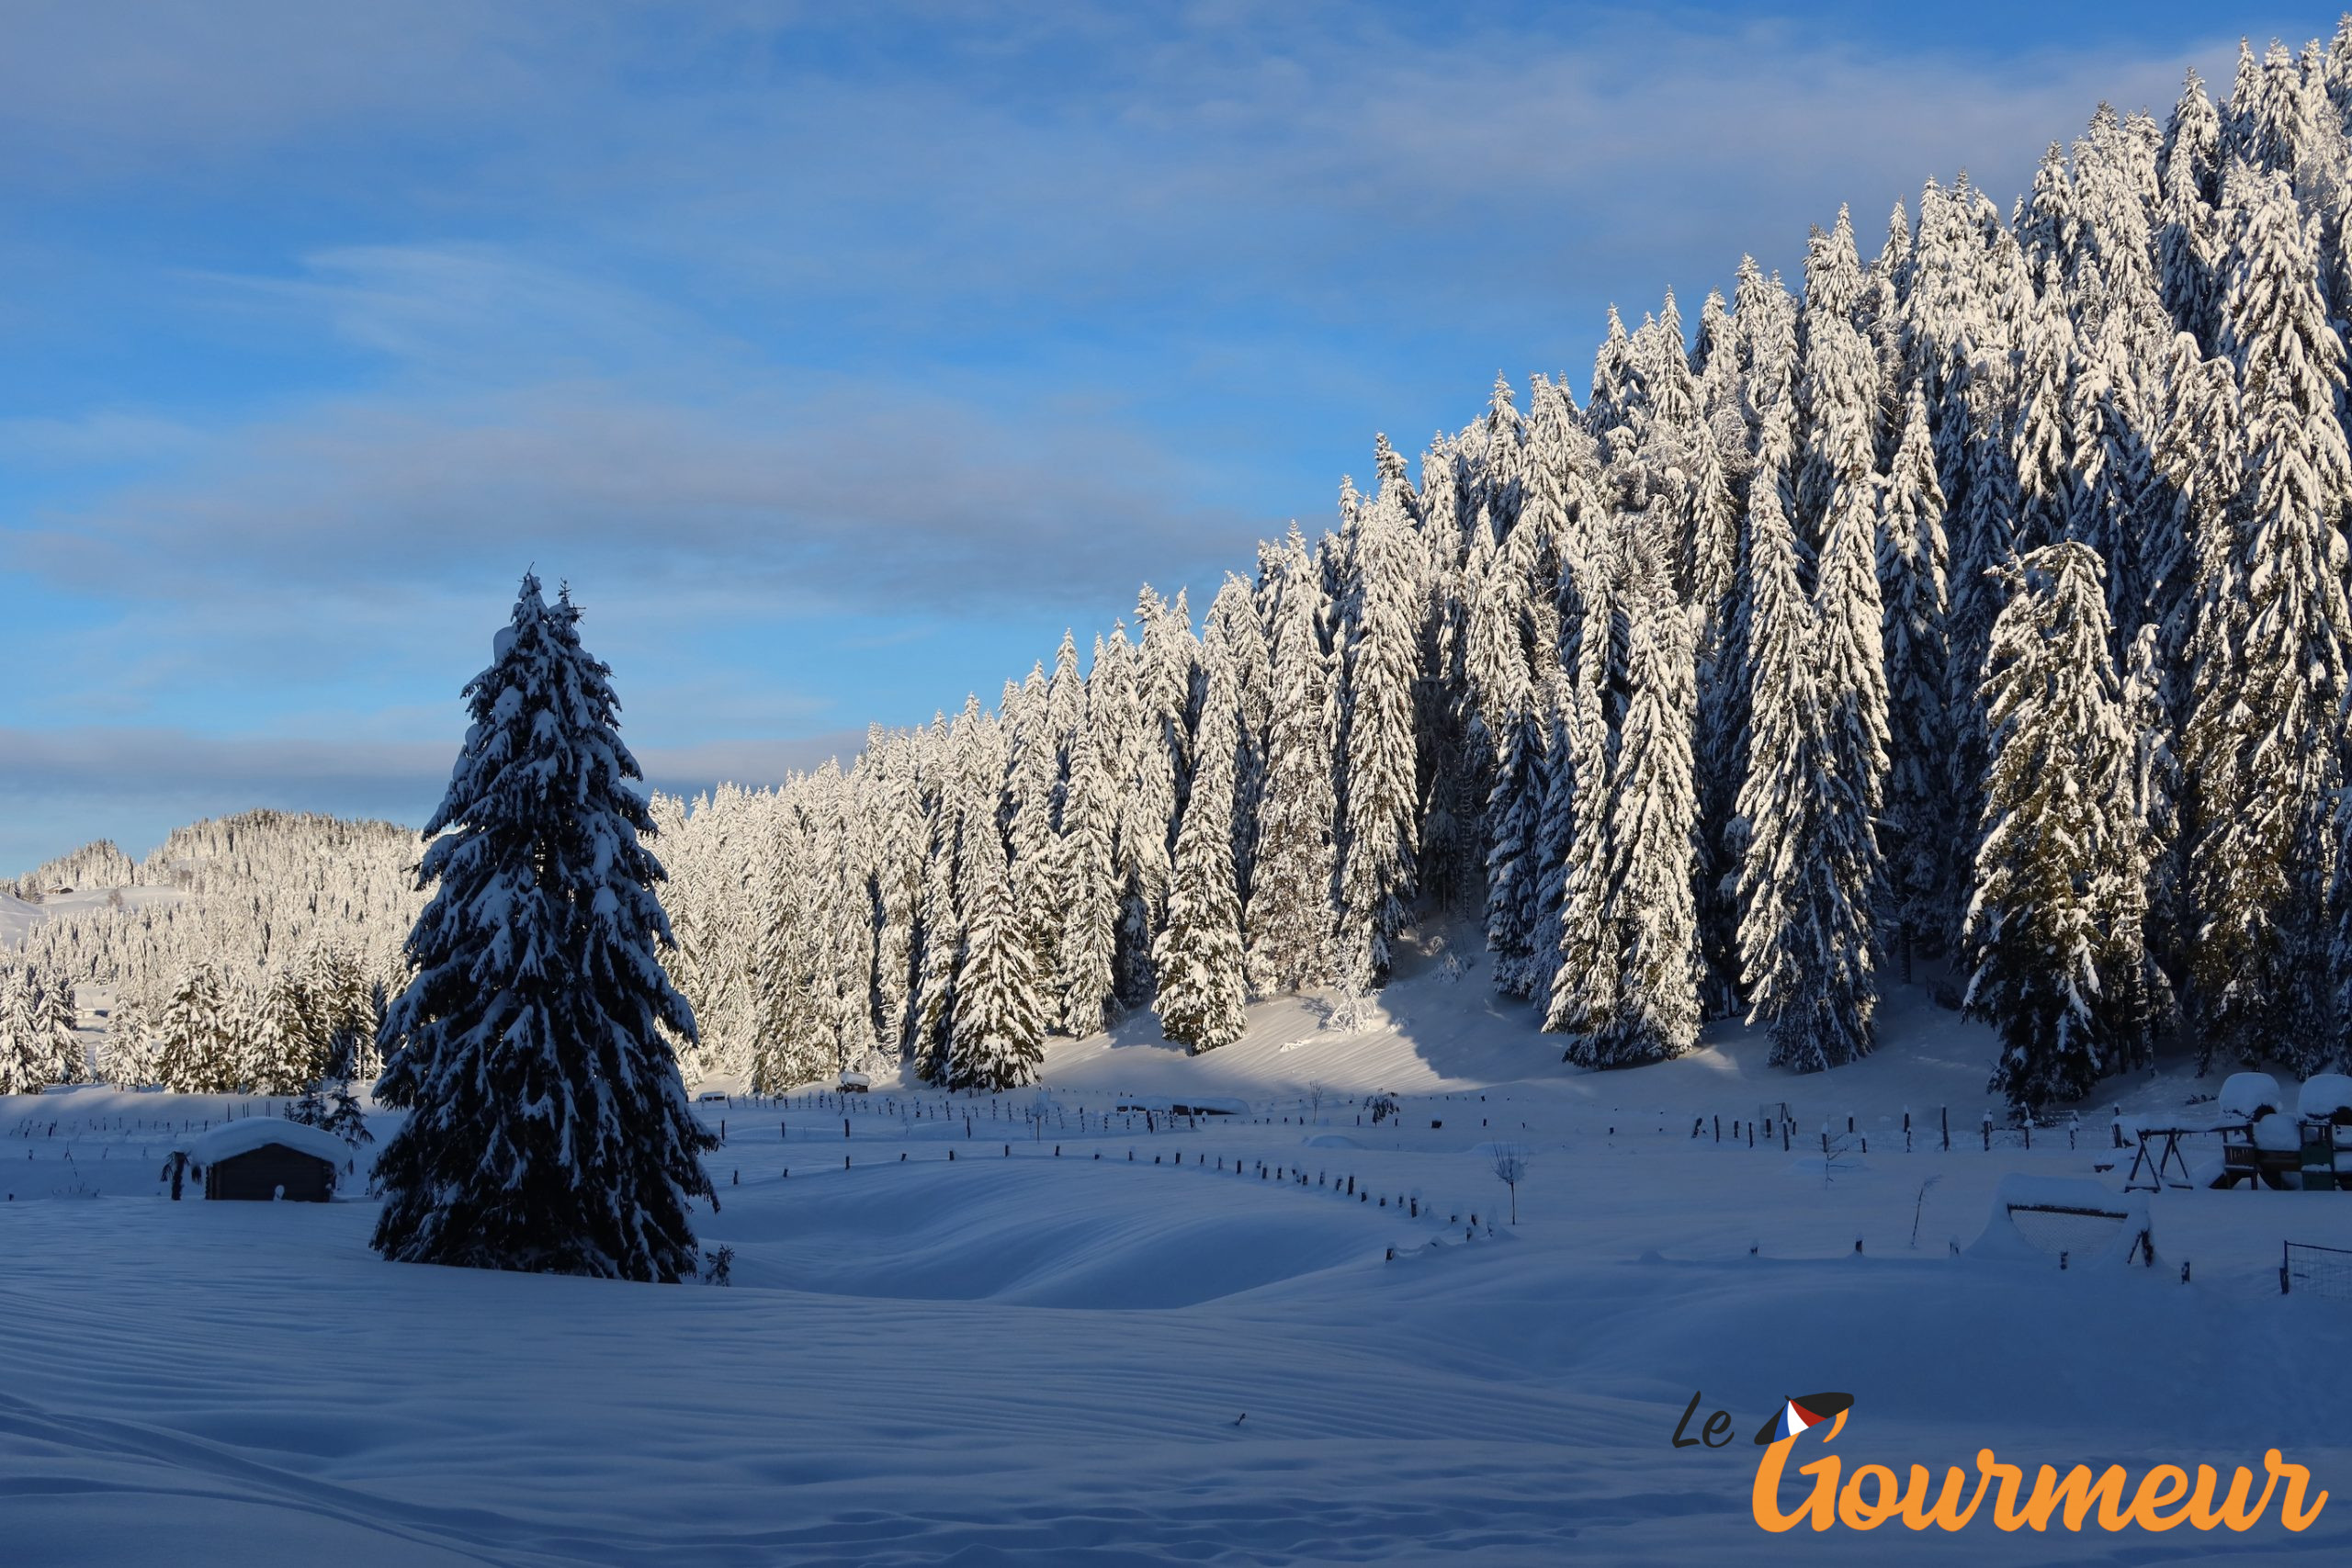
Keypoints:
pixel 2325 1097
pixel 2246 1096
pixel 2277 1134
pixel 1330 1140
pixel 1027 1231
pixel 2063 1192
pixel 2066 1212
pixel 233 1138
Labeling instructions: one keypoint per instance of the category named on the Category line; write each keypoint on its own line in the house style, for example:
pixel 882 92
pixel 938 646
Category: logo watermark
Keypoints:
pixel 2167 1497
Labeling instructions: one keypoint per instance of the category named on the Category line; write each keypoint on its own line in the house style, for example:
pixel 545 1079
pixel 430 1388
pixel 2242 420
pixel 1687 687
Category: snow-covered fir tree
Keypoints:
pixel 1034 779
pixel 193 1042
pixel 1380 811
pixel 2054 940
pixel 289 1041
pixel 998 1034
pixel 1914 827
pixel 127 1059
pixel 939 926
pixel 1804 930
pixel 1560 552
pixel 1448 876
pixel 1237 621
pixel 1158 761
pixel 2155 802
pixel 1648 912
pixel 1288 926
pixel 2190 236
pixel 1198 956
pixel 1850 687
pixel 1575 888
pixel 548 1129
pixel 2266 738
pixel 38 1017
pixel 25 1055
pixel 1087 872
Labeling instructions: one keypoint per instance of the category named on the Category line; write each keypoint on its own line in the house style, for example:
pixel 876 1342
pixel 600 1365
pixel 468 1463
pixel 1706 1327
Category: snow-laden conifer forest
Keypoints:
pixel 1971 606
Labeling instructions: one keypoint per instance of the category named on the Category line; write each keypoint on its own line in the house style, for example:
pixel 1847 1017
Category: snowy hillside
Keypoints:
pixel 18 918
pixel 1435 1029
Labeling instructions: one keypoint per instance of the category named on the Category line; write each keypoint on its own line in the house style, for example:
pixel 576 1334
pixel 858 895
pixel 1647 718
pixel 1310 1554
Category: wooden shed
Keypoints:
pixel 264 1157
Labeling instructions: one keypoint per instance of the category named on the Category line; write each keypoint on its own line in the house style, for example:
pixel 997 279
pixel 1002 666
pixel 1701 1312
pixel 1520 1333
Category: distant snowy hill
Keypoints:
pixel 18 918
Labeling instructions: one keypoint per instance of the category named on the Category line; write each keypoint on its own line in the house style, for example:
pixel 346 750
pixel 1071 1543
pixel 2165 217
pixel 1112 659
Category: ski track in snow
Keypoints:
pixel 1037 1357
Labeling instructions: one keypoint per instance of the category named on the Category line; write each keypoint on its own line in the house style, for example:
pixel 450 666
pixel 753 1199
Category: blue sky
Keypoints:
pixel 839 355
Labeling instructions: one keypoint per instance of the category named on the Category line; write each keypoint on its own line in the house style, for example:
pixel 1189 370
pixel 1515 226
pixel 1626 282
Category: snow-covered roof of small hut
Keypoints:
pixel 2248 1095
pixel 2326 1095
pixel 233 1138
pixel 860 1079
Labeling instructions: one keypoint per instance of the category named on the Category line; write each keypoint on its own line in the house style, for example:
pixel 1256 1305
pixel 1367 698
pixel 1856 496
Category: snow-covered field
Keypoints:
pixel 1083 1349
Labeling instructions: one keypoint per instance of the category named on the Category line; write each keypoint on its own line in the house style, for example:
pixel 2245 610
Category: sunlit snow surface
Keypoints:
pixel 1034 1358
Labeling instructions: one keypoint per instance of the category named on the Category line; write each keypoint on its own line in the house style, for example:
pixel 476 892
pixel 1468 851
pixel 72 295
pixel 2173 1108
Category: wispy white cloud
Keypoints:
pixel 95 91
pixel 842 494
pixel 1237 204
pixel 62 788
pixel 741 313
pixel 102 440
pixel 332 772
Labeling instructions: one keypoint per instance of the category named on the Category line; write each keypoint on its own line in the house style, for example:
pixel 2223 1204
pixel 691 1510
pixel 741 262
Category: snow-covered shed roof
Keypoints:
pixel 233 1138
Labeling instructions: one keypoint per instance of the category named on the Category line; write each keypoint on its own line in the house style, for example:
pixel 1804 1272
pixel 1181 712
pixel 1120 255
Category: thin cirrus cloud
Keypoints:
pixel 147 780
pixel 144 761
pixel 923 329
pixel 538 413
pixel 851 497
pixel 535 406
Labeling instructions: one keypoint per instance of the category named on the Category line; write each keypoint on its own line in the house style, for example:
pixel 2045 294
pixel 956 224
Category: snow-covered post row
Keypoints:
pixel 548 1128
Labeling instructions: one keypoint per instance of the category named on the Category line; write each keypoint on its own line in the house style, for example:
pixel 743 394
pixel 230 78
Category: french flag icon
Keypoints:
pixel 1798 1415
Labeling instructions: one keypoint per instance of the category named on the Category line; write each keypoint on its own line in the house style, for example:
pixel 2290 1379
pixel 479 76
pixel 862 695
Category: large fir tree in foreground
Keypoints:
pixel 548 1129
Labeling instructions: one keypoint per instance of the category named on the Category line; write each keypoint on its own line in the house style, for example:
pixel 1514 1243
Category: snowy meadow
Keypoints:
pixel 1109 1336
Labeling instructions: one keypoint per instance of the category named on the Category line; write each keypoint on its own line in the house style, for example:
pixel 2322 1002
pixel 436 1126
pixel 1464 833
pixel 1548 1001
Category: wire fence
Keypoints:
pixel 2317 1270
